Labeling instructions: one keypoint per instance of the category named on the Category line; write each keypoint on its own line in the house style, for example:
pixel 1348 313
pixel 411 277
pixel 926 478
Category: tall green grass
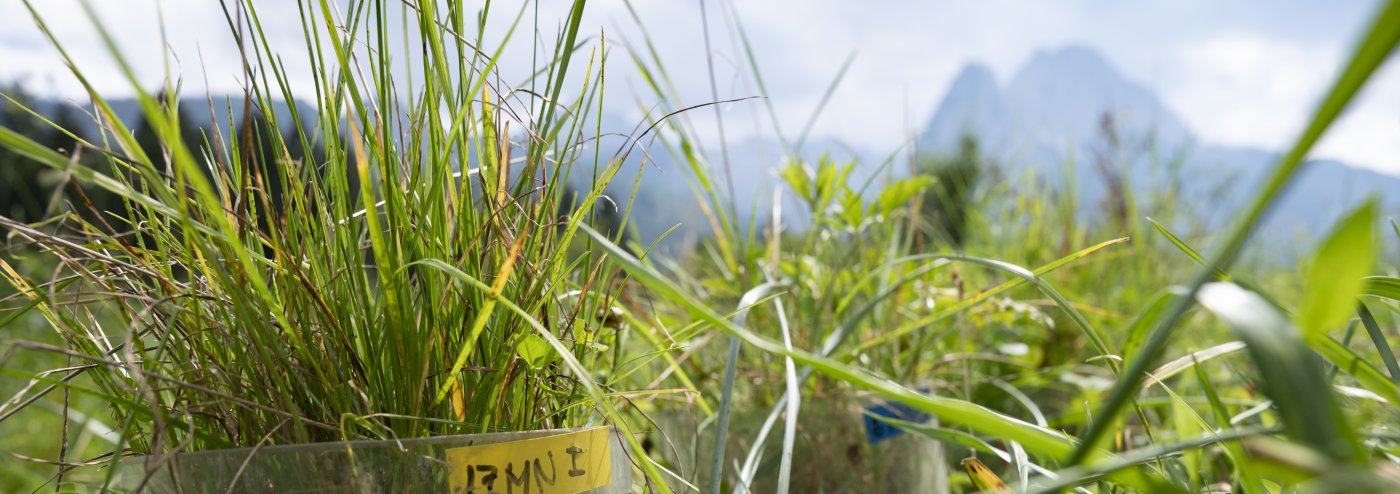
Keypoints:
pixel 419 275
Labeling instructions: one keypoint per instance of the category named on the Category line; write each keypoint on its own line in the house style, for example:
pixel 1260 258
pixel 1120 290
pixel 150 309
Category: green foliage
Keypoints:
pixel 1338 271
pixel 949 204
pixel 535 351
pixel 1291 375
pixel 898 194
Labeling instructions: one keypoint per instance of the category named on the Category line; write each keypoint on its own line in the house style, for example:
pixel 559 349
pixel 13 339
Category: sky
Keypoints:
pixel 1242 73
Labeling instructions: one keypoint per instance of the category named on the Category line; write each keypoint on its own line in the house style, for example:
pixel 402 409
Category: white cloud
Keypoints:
pixel 196 39
pixel 1248 89
pixel 1369 134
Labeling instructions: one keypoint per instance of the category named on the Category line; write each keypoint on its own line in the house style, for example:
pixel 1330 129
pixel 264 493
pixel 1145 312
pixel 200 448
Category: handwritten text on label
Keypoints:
pixel 566 463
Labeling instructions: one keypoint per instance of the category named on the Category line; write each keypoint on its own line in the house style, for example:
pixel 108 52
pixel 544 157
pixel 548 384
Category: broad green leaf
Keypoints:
pixel 852 209
pixel 827 181
pixel 799 180
pixel 899 193
pixel 1289 372
pixel 1338 272
pixel 535 351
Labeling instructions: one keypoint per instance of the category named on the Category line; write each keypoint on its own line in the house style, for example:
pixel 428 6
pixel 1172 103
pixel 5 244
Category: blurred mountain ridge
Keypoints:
pixel 1066 114
pixel 1071 104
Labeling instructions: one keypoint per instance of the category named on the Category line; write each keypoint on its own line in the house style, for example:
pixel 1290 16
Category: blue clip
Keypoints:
pixel 877 430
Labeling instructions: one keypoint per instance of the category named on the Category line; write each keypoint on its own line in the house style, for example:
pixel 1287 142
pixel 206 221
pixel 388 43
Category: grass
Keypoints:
pixel 423 274
pixel 398 287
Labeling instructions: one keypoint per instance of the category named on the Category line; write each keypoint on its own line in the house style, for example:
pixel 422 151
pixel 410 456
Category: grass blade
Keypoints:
pixel 1037 440
pixel 984 296
pixel 1082 475
pixel 794 394
pixel 1193 359
pixel 1185 248
pixel 1382 286
pixel 1378 338
pixel 727 395
pixel 982 477
pixel 1289 372
pixel 1248 476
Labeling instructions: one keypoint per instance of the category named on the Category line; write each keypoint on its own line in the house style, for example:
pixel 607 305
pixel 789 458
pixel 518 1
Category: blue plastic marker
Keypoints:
pixel 877 430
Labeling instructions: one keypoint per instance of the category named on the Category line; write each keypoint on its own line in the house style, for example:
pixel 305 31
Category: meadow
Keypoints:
pixel 444 262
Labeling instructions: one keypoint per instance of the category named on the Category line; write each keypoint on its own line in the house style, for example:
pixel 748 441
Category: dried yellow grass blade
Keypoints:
pixel 459 402
pixel 983 478
pixel 479 324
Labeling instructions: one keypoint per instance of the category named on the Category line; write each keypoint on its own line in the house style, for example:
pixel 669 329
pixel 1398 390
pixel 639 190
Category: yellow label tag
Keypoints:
pixel 566 463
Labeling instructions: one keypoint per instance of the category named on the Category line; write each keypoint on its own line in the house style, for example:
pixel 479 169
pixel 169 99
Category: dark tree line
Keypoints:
pixel 949 202
pixel 27 188
pixel 606 217
pixel 31 192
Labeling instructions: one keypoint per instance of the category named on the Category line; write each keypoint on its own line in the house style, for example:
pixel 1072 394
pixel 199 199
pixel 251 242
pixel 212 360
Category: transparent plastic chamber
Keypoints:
pixel 362 467
pixel 838 448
